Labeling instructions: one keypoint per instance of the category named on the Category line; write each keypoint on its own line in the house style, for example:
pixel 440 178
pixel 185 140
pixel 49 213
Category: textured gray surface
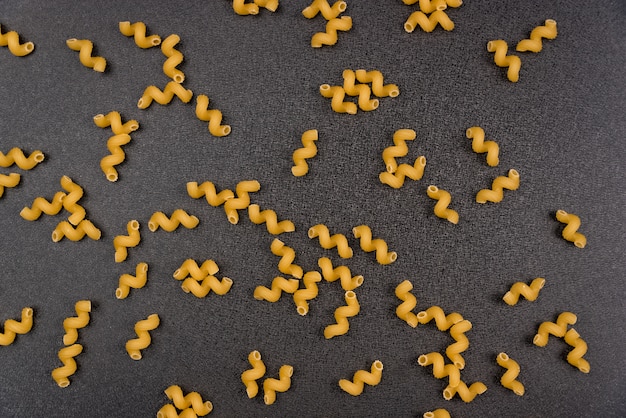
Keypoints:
pixel 562 126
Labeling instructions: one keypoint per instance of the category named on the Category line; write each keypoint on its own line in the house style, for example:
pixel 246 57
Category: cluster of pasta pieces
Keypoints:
pixel 71 348
pixel 334 23
pixel 16 156
pixel 431 14
pixel 357 84
pixel 189 405
pixel 270 385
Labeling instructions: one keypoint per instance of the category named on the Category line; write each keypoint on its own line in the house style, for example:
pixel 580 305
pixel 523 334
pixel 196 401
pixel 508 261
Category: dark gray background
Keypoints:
pixel 562 126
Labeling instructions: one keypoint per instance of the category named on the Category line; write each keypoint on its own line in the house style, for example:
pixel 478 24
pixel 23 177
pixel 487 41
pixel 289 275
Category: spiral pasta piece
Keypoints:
pixel 250 376
pixel 361 377
pixel 522 289
pixel 328 242
pixel 362 90
pixel 127 281
pixel 557 329
pixel 134 346
pixel 480 146
pixel 191 268
pixel 404 311
pixel 467 394
pixel 288 255
pixel 117 156
pixel 16 156
pixel 282 384
pixel 440 368
pixel 548 31
pixel 399 149
pixel 85 46
pixel 242 201
pixel 179 217
pixel 191 399
pixel 279 285
pixel 169 411
pixel 342 314
pixel 396 179
pixel 208 190
pixel 202 288
pixel 138 31
pixel 8 181
pixel 271 5
pixel 76 233
pixel 378 88
pixel 309 150
pixel 41 205
pixel 501 59
pixel 454 350
pixel 174 58
pixel 152 93
pixel 114 120
pixel 270 219
pixel 337 93
pixel 71 325
pixel 428 6
pixel 428 23
pixel 70 201
pixel 12 327
pixel 437 413
pixel 496 194
pixel 443 199
pixel 444 322
pixel 213 116
pixel 244 9
pixel 344 24
pixel 508 380
pixel 12 40
pixel 322 6
pixel 570 231
pixel 310 291
pixel 121 243
pixel 66 355
pixel 575 357
pixel 364 233
pixel 330 274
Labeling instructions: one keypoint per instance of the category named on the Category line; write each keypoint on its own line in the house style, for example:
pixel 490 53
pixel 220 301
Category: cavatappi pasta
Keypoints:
pixel 454 350
pixel 12 40
pixel 428 23
pixel 85 47
pixel 116 156
pixel 143 340
pixel 328 242
pixel 310 291
pixel 496 193
pixel 396 179
pixel 194 400
pixel 466 393
pixel 509 379
pixel 70 201
pixel 76 233
pixel 344 24
pixel 355 386
pixel 8 181
pixel 501 58
pixel 41 205
pixel 127 281
pixel 169 224
pixel 343 273
pixel 428 6
pixel 522 289
pixel 570 232
pixel 207 189
pixel 363 91
pixel 440 368
pixel 271 5
pixel 309 150
pixel 443 199
pixel 138 31
pixel 342 314
pixel 322 6
pixel 114 120
pixel 575 357
pixel 201 288
pixel 288 255
pixel 121 243
pixel 174 58
pixel 242 201
pixel 557 329
pixel 480 146
pixel 12 327
pixel 16 156
pixel 548 31
pixel 189 267
pixel 399 149
pixel 66 355
pixel 165 96
pixel 404 311
pixel 376 78
pixel 279 285
pixel 337 94
pixel 71 325
pixel 282 384
pixel 437 413
pixel 364 234
pixel 244 9
pixel 213 116
pixel 250 376
pixel 270 219
pixel 444 322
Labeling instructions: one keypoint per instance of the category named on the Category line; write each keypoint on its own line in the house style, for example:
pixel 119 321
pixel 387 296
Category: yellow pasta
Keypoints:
pixel 85 47
pixel 179 217
pixel 66 355
pixel 378 88
pixel 244 9
pixel 41 205
pixel 467 394
pixel 288 255
pixel 12 40
pixel 202 288
pixel 570 231
pixel 440 368
pixel 72 324
pixel 322 6
pixel 501 58
pixel 279 285
pixel 428 23
pixel 134 346
pixel 404 311
pixel 191 268
pixel 242 201
pixel 152 93
pixel 342 314
pixel 437 413
pixel 330 274
pixel 8 181
pixel 337 93
pixel 454 350
pixel 117 156
pixel 496 193
pixel 399 149
pixel 282 384
pixel 213 116
pixel 16 156
pixel 557 329
pixel 428 6
pixel 138 31
pixel 508 380
pixel 70 201
pixel 174 58
pixel 364 233
pixel 361 377
pixel 362 90
pixel 396 179
pixel 529 292
pixel 575 357
pixel 310 291
pixel 479 145
pixel 121 243
pixel 192 399
pixel 344 23
pixel 327 241
pixel 208 190
pixel 443 201
pixel 548 31
pixel 270 219
pixel 169 411
pixel 443 321
pixel 12 327
pixel 114 120
pixel 76 233
pixel 127 281
pixel 250 376
pixel 270 5
pixel 309 150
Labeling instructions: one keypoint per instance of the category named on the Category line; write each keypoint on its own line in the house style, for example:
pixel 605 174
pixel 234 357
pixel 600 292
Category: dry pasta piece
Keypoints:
pixel 250 376
pixel 327 241
pixel 496 193
pixel 169 411
pixel 501 59
pixel 414 172
pixel 270 219
pixel 192 399
pixel 404 311
pixel 9 181
pixel 191 268
pixel 138 31
pixel 454 350
pixel 428 23
pixel 76 233
pixel 529 292
pixel 202 288
pixel 279 285
pixel 309 150
pixel 152 93
pixel 242 201
pixel 437 413
pixel 179 217
pixel 362 90
pixel 127 281
pixel 322 6
pixel 443 321
pixel 454 3
pixel 548 31
pixel 121 243
pixel 310 291
pixel 282 384
pixel 342 314
pixel 361 377
pixel 271 5
pixel 41 205
pixel 70 201
pixel 208 190
pixel 337 93
pixel 66 355
pixel 378 88
pixel 344 24
pixel 428 6
pixel 72 324
pixel 85 46
pixel 117 156
pixel 443 199
pixel 16 156
pixel 114 120
pixel 288 255
pixel 557 329
pixel 13 327
pixel 575 357
pixel 364 233
pixel 134 346
pixel 467 394
pixel 399 149
pixel 12 40
pixel 479 145
pixel 508 380
pixel 440 368
pixel 174 58
pixel 244 9
pixel 214 116
pixel 570 231
pixel 330 274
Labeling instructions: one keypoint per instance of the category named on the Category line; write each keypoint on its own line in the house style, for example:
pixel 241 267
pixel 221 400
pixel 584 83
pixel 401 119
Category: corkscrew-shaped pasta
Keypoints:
pixel 404 311
pixel 342 313
pixel 378 88
pixel 41 205
pixel 508 380
pixel 174 58
pixel 557 329
pixel 396 179
pixel 529 292
pixel 179 217
pixel 117 156
pixel 443 199
pixel 127 281
pixel 428 6
pixel 76 233
pixel 8 181
pixel 134 346
pixel 428 23
pixel 245 9
pixel 362 90
pixel 192 399
pixel 213 116
pixel 330 274
pixel 72 324
pixel 138 31
pixel 288 255
pixel 440 368
pixel 467 394
pixel 12 40
pixel 12 327
pixel 66 355
pixel 250 376
pixel 169 411
pixel 496 193
pixel 202 288
pixel 570 231
pixel 361 377
pixel 437 413
pixel 191 268
pixel 364 233
pixel 208 190
pixel 548 31
pixel 344 24
pixel 282 384
pixel 70 201
pixel 85 46
pixel 270 5
pixel 121 243
pixel 399 149
pixel 443 321
pixel 16 156
pixel 327 241
pixel 309 150
pixel 454 350
pixel 337 93
pixel 501 58
pixel 242 201
pixel 322 6
pixel 279 285
pixel 480 146
pixel 114 120
pixel 310 291
pixel 152 93
pixel 575 357
pixel 270 219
